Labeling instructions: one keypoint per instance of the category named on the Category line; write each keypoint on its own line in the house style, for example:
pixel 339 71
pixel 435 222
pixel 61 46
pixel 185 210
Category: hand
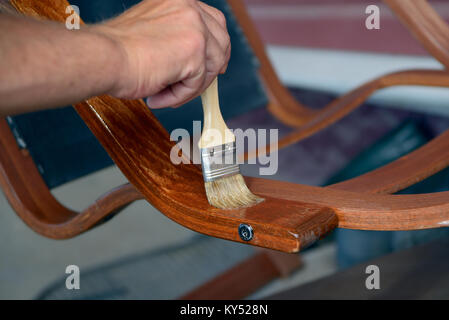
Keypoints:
pixel 171 50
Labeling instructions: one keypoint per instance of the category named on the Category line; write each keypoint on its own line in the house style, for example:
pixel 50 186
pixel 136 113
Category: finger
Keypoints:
pixel 227 57
pixel 215 56
pixel 216 53
pixel 216 23
pixel 216 26
pixel 171 96
pixel 217 14
pixel 179 93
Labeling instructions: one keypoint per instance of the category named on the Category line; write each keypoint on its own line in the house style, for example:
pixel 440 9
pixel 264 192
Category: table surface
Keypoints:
pixel 421 272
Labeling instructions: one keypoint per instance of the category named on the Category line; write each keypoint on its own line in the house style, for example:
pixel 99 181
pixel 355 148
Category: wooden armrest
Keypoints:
pixel 405 171
pixel 30 197
pixel 282 104
pixel 140 147
pixel 426 25
pixel 364 211
pixel 291 217
pixel 418 16
pixel 350 101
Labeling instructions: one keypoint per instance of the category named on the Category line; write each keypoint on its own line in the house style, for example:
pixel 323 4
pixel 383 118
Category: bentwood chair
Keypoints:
pixel 53 147
pixel 293 216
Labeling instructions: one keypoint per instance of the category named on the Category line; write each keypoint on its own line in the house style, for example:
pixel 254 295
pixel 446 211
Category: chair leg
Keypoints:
pixel 246 277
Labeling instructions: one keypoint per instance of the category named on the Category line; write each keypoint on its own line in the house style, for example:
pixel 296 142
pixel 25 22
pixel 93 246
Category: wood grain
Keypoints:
pixel 292 217
pixel 364 211
pixel 341 107
pixel 140 147
pixel 426 25
pixel 405 171
pixel 418 16
pixel 30 198
pixel 282 104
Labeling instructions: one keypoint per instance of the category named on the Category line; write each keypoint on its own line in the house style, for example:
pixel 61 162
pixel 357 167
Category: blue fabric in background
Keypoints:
pixel 64 149
pixel 357 246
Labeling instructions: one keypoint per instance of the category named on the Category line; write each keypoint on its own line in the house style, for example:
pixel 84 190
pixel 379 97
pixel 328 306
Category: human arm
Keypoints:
pixel 169 50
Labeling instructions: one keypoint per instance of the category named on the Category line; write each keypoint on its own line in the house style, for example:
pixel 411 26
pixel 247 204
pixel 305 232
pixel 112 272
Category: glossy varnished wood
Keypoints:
pixel 61 222
pixel 432 31
pixel 418 16
pixel 292 217
pixel 426 25
pixel 344 105
pixel 33 202
pixel 366 211
pixel 140 147
pixel 405 171
pixel 282 104
pixel 27 192
pixel 178 190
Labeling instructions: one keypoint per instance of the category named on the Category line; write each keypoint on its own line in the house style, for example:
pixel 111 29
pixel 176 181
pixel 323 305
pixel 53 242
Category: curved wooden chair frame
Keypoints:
pixel 293 216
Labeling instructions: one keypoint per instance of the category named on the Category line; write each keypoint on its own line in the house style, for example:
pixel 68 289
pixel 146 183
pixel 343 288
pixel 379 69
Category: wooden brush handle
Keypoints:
pixel 215 131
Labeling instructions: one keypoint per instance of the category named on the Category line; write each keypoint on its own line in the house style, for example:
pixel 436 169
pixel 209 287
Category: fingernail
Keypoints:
pixel 148 102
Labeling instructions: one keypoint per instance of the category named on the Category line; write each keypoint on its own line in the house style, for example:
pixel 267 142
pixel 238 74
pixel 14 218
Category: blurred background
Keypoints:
pixel 320 49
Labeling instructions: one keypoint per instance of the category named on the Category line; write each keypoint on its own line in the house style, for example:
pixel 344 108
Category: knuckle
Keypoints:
pixel 191 15
pixel 220 17
pixel 223 60
pixel 217 63
pixel 196 42
pixel 194 51
pixel 227 56
pixel 183 2
pixel 227 40
pixel 201 76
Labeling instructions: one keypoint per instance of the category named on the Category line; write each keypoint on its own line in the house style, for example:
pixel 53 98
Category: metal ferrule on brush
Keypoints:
pixel 219 161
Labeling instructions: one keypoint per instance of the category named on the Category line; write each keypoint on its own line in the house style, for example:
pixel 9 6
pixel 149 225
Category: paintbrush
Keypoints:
pixel 225 186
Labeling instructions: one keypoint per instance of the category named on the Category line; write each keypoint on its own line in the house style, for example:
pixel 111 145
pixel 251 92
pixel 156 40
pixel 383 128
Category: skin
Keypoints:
pixel 166 50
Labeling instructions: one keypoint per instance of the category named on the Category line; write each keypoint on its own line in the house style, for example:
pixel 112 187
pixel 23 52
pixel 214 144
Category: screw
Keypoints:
pixel 245 232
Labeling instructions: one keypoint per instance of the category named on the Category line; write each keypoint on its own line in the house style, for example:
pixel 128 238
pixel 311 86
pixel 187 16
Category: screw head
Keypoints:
pixel 245 232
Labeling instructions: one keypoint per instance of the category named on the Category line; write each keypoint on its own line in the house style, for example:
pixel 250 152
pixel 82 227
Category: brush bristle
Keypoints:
pixel 230 193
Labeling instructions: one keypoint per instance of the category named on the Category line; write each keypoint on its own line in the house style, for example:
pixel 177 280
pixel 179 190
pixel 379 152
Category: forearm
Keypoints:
pixel 44 65
pixel 169 51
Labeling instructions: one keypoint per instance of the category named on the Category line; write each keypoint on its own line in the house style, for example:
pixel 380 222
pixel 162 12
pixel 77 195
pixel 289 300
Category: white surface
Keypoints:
pixel 340 71
pixel 317 263
pixel 29 262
